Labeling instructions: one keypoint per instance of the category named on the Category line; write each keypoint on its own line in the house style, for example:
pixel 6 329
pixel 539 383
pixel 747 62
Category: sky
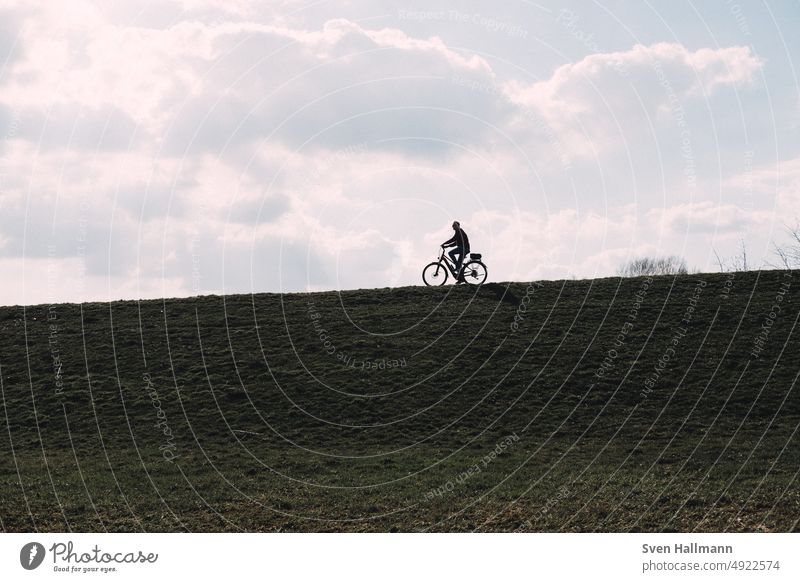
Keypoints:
pixel 184 147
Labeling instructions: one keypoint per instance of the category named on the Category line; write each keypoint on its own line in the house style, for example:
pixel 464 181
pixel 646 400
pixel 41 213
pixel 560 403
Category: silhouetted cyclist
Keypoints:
pixel 460 242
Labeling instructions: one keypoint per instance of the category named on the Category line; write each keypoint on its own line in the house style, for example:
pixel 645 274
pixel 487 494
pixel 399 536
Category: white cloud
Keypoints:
pixel 575 88
pixel 607 98
pixel 778 182
pixel 703 217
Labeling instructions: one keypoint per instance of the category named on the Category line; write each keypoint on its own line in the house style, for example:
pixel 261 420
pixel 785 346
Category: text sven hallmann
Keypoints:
pixel 692 548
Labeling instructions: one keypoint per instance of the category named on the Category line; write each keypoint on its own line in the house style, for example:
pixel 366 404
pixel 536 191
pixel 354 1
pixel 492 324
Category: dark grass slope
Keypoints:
pixel 504 408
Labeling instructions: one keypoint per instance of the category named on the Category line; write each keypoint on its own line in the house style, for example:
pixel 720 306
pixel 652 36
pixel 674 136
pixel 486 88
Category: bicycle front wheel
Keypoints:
pixel 475 273
pixel 434 275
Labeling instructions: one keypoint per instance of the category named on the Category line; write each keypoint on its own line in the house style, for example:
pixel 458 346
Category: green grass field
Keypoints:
pixel 601 405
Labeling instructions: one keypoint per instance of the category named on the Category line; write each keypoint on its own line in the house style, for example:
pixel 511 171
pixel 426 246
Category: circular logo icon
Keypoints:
pixel 31 555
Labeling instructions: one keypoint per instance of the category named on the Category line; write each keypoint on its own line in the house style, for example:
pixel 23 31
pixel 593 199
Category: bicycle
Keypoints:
pixel 473 270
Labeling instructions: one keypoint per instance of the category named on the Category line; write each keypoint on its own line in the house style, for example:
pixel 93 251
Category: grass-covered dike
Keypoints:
pixel 634 404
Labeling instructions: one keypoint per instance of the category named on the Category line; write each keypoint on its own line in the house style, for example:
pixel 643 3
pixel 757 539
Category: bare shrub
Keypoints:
pixel 736 263
pixel 789 254
pixel 647 266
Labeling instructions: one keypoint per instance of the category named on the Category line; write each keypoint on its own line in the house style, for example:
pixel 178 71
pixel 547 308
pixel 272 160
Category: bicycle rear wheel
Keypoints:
pixel 475 273
pixel 434 274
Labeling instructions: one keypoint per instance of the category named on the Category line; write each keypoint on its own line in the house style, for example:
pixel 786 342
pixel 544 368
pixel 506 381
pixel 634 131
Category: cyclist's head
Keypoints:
pixel 456 225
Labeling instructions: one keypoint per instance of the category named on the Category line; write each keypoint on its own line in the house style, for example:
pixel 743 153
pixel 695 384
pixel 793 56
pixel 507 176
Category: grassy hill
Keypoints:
pixel 664 404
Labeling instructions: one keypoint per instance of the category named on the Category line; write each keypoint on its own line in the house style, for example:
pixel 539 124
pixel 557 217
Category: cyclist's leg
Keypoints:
pixel 454 257
pixel 464 253
pixel 458 260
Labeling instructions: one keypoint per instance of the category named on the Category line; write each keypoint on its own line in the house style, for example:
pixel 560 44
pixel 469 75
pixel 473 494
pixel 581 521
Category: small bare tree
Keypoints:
pixel 789 254
pixel 647 266
pixel 736 263
pixel 742 255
